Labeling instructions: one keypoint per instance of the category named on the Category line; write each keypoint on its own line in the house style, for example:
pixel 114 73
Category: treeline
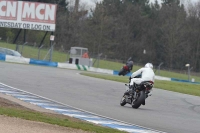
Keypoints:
pixel 119 29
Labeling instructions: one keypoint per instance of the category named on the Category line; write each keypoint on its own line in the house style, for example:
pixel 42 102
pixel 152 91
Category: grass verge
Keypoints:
pixel 117 66
pixel 185 88
pixel 61 121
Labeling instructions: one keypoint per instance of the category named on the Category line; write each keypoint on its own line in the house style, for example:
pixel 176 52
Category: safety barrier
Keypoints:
pixel 43 63
pixel 8 58
pixel 22 60
pixel 185 81
pixel 16 59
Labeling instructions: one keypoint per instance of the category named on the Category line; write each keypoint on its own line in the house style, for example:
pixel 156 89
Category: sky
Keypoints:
pixel 88 4
pixel 92 2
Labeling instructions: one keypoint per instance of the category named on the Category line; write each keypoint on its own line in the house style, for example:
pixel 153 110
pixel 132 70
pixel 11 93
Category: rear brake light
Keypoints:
pixel 147 88
pixel 151 82
pixel 125 67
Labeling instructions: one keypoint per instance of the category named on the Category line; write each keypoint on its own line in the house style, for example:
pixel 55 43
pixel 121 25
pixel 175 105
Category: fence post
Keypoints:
pixel 51 42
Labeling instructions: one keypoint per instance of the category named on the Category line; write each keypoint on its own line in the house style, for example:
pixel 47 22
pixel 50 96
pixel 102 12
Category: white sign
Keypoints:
pixel 28 15
pixel 52 37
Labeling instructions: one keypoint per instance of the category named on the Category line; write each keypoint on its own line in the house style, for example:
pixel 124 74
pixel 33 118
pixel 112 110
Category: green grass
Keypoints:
pixel 117 66
pixel 185 88
pixel 32 52
pixel 178 75
pixel 40 117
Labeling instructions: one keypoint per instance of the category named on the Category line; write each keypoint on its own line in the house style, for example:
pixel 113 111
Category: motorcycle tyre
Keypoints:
pixel 123 100
pixel 121 72
pixel 136 104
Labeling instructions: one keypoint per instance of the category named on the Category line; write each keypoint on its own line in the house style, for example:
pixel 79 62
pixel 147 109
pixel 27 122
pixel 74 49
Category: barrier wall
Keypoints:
pixel 8 58
pixel 17 59
pixel 43 63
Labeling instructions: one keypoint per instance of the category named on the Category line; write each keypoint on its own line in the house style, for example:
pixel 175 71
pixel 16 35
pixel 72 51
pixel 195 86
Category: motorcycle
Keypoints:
pixel 138 96
pixel 125 69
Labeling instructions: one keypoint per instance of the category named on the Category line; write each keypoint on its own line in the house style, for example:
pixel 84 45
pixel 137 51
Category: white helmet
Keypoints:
pixel 149 65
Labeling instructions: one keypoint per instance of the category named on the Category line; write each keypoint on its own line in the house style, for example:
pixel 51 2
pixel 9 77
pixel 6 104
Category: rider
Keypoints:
pixel 129 64
pixel 147 74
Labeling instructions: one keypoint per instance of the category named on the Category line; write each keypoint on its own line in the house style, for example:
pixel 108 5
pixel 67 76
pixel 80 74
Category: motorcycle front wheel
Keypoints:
pixel 123 100
pixel 121 72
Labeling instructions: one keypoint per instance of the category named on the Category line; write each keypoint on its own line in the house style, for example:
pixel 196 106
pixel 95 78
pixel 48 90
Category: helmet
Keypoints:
pixel 149 65
pixel 131 62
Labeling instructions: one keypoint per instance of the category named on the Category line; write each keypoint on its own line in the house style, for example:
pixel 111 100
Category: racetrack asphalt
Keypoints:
pixel 165 111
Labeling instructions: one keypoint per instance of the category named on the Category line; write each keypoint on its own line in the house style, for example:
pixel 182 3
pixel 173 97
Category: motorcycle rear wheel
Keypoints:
pixel 123 100
pixel 141 99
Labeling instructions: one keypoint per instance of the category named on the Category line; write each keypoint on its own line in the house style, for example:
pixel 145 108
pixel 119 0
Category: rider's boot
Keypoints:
pixel 131 91
pixel 126 93
pixel 148 93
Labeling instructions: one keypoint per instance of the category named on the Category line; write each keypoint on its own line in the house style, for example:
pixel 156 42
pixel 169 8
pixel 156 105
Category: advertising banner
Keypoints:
pixel 28 15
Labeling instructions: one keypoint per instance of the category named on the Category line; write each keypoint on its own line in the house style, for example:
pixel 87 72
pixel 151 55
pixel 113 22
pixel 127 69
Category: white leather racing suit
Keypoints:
pixel 147 74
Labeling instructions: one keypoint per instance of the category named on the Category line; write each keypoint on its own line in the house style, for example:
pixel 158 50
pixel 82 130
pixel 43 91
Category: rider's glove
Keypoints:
pixel 130 78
